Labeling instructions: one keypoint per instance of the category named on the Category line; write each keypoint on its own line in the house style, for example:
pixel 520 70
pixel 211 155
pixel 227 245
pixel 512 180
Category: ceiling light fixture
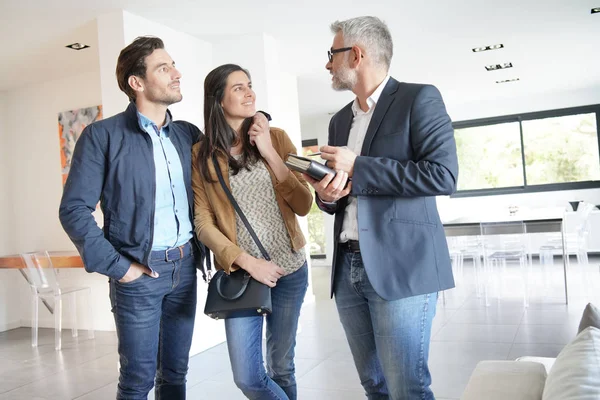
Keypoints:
pixel 495 67
pixel 508 80
pixel 595 10
pixel 486 48
pixel 77 46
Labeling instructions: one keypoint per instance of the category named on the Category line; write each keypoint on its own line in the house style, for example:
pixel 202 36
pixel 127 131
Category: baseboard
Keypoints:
pixel 7 326
pixel 48 322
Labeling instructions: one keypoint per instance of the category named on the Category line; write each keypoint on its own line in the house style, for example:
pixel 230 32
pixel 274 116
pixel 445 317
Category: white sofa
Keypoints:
pixel 573 375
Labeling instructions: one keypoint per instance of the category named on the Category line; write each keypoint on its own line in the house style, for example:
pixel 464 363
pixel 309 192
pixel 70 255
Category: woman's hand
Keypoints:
pixel 266 272
pixel 260 135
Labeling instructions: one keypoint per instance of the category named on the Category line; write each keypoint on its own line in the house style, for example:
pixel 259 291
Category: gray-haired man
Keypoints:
pixel 396 142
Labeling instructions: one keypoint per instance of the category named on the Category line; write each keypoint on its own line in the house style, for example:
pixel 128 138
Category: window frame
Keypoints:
pixel 319 256
pixel 526 188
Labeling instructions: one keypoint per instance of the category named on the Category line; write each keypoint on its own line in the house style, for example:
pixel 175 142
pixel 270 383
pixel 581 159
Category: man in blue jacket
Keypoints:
pixel 138 164
pixel 396 142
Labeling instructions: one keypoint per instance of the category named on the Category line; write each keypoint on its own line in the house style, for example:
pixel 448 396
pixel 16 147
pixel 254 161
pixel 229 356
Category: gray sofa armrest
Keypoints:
pixel 502 380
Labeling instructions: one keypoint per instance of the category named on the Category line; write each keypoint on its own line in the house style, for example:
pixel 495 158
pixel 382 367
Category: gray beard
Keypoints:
pixel 341 86
pixel 345 80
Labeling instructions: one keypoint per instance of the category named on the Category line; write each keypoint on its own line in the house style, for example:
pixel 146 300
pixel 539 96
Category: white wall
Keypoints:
pixel 249 52
pixel 32 116
pixel 111 40
pixel 461 110
pixel 9 279
pixel 35 187
pixel 5 179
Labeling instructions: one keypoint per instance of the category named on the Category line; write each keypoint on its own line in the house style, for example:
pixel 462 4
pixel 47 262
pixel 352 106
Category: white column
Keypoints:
pixel 111 40
pixel 6 165
pixel 9 279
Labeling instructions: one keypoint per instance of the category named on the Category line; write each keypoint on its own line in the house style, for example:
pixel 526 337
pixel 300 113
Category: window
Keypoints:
pixel 549 150
pixel 489 156
pixel 316 222
pixel 561 149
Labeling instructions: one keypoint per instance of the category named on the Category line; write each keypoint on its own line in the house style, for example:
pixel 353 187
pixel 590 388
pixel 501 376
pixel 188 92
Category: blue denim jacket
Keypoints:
pixel 114 162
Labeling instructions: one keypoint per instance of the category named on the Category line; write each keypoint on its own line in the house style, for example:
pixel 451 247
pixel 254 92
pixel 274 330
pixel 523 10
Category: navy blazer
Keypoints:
pixel 408 157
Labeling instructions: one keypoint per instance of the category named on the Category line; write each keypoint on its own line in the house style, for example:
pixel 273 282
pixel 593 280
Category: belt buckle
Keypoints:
pixel 180 248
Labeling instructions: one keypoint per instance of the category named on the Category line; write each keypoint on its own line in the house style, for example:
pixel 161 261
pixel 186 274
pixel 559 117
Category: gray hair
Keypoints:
pixel 372 34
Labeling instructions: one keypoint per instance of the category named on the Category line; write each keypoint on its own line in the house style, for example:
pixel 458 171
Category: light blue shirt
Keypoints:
pixel 172 225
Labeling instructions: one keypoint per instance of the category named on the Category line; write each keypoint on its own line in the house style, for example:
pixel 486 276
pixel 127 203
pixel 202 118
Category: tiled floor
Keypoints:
pixel 465 331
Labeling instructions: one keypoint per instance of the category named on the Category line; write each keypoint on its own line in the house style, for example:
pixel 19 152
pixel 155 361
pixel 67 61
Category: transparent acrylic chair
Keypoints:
pixel 576 231
pixel 466 247
pixel 502 242
pixel 44 284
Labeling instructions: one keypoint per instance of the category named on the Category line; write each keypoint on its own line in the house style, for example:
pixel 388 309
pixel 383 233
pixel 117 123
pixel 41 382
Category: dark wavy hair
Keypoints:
pixel 218 135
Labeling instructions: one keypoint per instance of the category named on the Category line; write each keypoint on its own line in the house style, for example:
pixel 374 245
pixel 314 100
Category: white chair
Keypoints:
pixel 43 280
pixel 502 242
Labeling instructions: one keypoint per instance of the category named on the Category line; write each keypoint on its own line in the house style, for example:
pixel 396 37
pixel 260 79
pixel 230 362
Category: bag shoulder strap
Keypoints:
pixel 238 209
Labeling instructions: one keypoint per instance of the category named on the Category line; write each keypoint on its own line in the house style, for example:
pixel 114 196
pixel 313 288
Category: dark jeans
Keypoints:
pixel 155 323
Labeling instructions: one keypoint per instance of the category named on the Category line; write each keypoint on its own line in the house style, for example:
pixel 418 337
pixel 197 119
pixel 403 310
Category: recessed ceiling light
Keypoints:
pixel 486 48
pixel 508 80
pixel 495 67
pixel 596 10
pixel 77 46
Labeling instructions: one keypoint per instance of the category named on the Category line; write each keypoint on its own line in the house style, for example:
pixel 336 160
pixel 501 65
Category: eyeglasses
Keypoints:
pixel 331 52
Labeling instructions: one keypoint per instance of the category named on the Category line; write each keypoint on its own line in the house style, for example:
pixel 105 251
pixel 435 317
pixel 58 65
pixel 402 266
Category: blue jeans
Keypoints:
pixel 244 341
pixel 389 340
pixel 155 323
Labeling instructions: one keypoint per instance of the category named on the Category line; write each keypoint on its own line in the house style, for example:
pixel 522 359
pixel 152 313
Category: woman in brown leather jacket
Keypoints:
pixel 251 158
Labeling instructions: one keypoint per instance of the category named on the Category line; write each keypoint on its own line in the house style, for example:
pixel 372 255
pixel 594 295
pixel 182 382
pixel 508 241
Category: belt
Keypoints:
pixel 172 254
pixel 351 246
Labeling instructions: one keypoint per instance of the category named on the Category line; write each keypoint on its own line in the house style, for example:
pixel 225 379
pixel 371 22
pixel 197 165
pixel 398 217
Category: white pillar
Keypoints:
pixel 111 40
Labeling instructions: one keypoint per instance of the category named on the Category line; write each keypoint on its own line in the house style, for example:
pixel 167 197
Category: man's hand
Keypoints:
pixel 330 188
pixel 135 271
pixel 339 158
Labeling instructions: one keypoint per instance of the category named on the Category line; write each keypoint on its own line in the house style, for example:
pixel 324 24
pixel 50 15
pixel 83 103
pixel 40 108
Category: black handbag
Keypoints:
pixel 237 294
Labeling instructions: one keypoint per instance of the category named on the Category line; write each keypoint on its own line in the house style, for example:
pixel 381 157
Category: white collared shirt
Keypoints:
pixel 358 131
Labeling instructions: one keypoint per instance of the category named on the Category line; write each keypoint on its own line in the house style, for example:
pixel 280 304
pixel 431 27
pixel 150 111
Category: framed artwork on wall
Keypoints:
pixel 70 125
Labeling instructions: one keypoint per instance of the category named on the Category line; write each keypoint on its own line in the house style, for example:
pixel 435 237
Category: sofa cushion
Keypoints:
pixel 547 362
pixel 590 317
pixel 575 374
pixel 502 380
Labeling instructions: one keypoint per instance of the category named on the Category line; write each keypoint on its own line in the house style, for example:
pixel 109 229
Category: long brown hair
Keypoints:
pixel 219 137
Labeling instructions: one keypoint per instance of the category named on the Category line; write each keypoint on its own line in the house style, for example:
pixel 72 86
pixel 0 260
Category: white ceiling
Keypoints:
pixel 552 43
